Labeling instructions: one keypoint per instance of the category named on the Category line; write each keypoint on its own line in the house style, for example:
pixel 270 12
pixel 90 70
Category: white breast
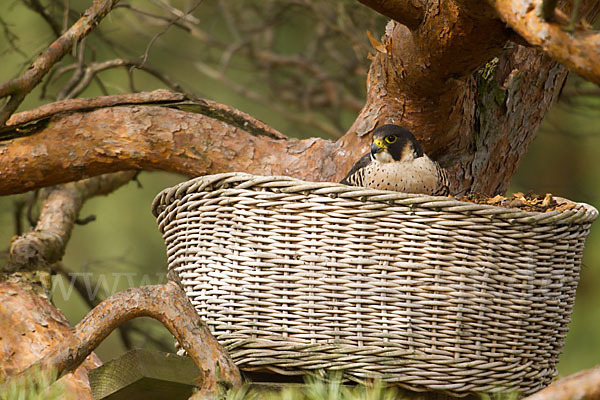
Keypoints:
pixel 415 176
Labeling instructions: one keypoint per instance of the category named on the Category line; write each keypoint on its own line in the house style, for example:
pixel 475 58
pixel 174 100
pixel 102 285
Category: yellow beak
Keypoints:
pixel 377 146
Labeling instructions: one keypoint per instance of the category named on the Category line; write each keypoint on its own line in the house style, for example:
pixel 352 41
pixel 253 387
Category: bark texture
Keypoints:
pixel 583 385
pixel 479 129
pixel 169 305
pixel 46 244
pixel 146 137
pixel 578 50
pixel 445 69
pixel 31 328
pixel 473 99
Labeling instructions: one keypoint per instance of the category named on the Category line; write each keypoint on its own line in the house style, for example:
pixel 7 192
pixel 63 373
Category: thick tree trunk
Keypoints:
pixel 479 127
pixel 447 71
pixel 473 98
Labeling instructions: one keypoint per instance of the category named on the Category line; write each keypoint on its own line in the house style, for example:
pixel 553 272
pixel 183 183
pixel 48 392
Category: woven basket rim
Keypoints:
pixel 582 213
pixel 470 297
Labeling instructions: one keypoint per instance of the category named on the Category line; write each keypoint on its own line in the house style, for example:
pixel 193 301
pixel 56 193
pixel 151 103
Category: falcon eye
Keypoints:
pixel 391 139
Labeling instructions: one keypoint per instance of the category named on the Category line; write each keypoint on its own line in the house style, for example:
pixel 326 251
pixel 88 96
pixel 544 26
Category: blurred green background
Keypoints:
pixel 123 247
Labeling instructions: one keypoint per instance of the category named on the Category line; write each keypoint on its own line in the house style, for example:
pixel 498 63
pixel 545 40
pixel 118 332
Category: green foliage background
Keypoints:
pixel 124 247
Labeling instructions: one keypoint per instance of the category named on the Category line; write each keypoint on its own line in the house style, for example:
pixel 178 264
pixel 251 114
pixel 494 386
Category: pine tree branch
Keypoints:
pixel 165 303
pixel 46 244
pixel 579 50
pixel 70 147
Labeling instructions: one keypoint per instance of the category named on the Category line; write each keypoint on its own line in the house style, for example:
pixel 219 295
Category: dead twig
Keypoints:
pixel 66 10
pixel 166 28
pixel 306 118
pixel 297 79
pixel 90 72
pixel 12 39
pixel 37 7
pixel 18 88
pixel 77 75
pixel 46 244
pixel 207 107
pixel 152 15
pixel 47 110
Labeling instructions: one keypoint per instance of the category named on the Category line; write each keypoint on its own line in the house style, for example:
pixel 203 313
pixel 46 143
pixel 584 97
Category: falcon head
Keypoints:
pixel 394 143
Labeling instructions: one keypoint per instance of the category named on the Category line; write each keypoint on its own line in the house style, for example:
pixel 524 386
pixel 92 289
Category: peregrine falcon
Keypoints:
pixel 397 162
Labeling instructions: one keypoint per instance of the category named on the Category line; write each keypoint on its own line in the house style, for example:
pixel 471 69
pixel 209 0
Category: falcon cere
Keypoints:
pixel 397 162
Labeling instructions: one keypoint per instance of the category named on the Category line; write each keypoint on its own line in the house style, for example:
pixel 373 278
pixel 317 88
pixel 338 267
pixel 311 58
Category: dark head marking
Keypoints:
pixel 400 143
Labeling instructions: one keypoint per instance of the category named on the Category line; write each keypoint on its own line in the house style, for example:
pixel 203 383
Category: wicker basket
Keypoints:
pixel 429 293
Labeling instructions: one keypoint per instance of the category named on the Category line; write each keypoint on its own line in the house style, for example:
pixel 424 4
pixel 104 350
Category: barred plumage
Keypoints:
pixel 397 162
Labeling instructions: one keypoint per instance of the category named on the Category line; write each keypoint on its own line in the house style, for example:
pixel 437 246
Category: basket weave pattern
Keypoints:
pixel 426 292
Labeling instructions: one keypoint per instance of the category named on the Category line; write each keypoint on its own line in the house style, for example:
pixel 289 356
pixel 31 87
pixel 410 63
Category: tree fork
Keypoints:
pixel 478 125
pixel 578 50
pixel 422 79
pixel 46 244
